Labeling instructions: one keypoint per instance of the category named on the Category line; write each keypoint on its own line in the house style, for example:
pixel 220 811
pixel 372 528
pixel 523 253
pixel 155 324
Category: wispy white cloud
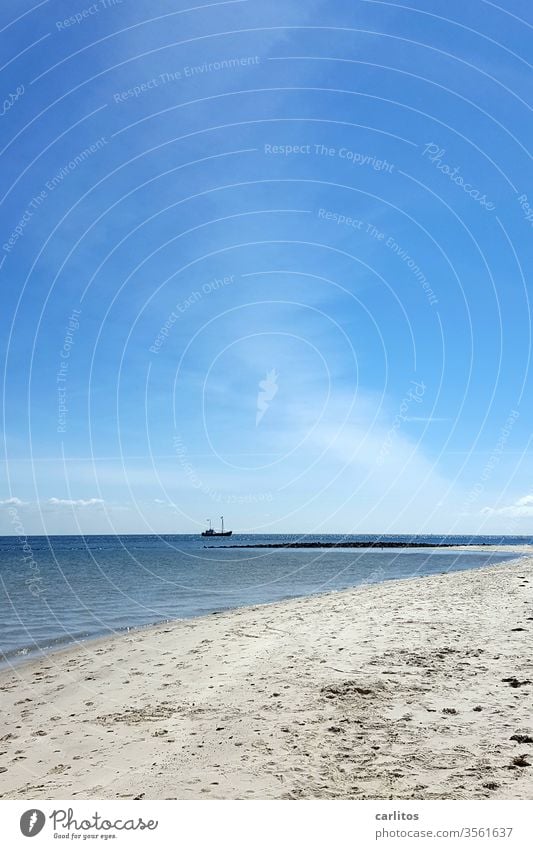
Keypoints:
pixel 53 502
pixel 521 508
pixel 79 502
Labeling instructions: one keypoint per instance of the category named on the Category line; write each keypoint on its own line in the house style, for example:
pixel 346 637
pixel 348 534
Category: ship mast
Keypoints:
pixel 222 520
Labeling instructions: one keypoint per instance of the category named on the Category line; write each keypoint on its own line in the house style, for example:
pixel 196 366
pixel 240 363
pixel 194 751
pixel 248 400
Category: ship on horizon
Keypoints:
pixel 210 532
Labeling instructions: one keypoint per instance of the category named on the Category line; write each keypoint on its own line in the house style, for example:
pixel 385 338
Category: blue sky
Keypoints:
pixel 266 260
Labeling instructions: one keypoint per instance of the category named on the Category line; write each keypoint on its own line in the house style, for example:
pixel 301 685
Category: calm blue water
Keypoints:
pixel 73 588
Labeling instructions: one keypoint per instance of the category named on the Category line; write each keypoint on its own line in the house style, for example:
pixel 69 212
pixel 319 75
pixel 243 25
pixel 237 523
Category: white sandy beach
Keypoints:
pixel 418 688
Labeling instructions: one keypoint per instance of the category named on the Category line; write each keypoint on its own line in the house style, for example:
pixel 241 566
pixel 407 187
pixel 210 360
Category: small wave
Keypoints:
pixel 43 645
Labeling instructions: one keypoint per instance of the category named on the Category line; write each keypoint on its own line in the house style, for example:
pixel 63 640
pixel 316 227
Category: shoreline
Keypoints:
pixel 368 692
pixel 41 655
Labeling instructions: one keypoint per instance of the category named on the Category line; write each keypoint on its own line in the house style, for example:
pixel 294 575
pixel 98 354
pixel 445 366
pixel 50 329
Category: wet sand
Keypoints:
pixel 418 688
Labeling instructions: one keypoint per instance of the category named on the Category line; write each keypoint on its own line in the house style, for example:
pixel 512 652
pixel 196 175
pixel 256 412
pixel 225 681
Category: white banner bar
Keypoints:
pixel 264 825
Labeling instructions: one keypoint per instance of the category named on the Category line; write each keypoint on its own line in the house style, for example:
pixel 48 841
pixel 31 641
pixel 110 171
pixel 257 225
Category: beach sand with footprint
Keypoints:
pixel 411 689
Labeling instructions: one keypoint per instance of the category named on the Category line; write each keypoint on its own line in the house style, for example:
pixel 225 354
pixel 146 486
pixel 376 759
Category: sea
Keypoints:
pixel 61 590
